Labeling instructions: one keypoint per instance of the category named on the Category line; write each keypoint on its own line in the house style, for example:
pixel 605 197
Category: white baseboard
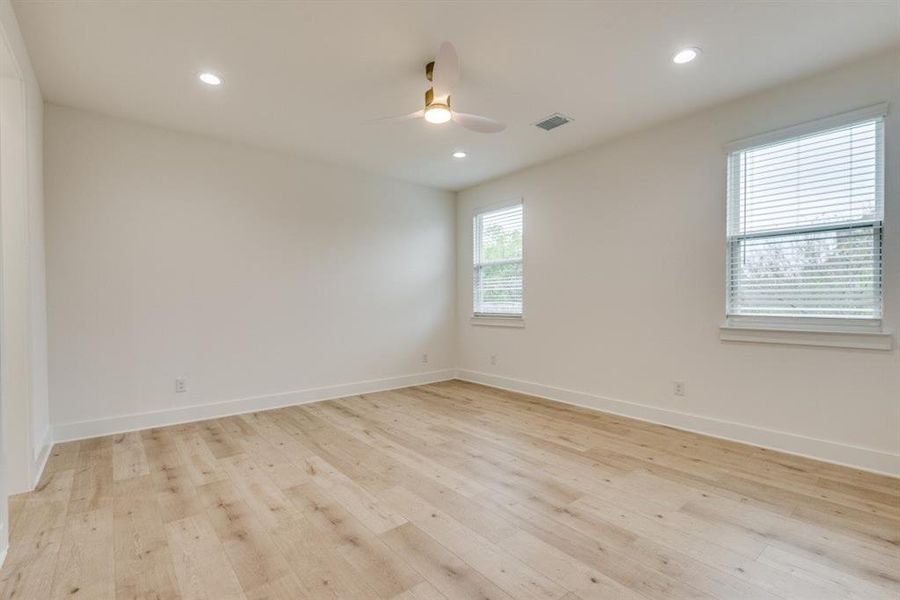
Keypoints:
pixel 67 432
pixel 42 453
pixel 867 459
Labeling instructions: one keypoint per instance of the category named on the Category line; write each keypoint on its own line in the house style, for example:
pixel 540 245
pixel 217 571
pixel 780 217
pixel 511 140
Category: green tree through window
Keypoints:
pixel 498 269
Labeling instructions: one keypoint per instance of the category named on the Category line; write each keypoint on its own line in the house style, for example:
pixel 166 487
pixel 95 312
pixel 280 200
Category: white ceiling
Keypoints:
pixel 305 76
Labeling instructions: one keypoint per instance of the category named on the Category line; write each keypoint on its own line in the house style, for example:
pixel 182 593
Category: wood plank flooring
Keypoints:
pixel 451 491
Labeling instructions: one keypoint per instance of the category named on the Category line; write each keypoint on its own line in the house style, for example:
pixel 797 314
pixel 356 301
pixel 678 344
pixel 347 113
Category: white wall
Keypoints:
pixel 252 273
pixel 23 353
pixel 625 286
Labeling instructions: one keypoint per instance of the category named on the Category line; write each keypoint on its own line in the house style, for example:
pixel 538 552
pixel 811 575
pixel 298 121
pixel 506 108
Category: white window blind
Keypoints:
pixel 498 262
pixel 805 224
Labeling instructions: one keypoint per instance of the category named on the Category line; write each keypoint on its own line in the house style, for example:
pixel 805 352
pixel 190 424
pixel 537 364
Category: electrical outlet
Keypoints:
pixel 678 388
pixel 425 358
pixel 493 359
pixel 180 385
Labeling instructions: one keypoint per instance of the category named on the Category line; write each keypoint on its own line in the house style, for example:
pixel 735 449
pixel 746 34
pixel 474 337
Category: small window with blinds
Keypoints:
pixel 498 267
pixel 805 219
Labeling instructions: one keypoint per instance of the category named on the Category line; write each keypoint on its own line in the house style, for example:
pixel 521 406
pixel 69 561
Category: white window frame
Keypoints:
pixel 808 331
pixel 497 320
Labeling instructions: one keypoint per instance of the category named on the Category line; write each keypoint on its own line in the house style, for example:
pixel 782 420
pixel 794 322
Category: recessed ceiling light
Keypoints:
pixel 685 56
pixel 459 154
pixel 210 78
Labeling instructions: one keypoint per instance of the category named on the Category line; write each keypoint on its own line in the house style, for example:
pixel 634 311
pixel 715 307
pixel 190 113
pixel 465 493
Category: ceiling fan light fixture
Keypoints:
pixel 437 114
pixel 443 73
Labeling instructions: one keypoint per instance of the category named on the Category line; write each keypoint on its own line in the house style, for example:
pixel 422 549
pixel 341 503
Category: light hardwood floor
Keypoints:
pixel 446 491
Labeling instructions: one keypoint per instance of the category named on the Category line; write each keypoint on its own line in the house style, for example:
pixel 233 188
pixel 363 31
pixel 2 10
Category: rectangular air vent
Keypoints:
pixel 552 122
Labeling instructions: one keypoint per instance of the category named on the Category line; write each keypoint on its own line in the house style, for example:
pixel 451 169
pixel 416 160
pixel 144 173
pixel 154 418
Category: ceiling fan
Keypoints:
pixel 443 73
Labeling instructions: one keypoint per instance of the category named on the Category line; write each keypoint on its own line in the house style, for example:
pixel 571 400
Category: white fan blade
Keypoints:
pixel 445 75
pixel 479 124
pixel 413 115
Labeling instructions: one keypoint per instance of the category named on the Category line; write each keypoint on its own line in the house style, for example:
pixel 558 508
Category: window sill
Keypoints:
pixel 865 338
pixel 498 321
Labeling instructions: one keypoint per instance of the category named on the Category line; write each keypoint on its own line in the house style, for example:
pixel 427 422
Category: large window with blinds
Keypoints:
pixel 805 212
pixel 498 267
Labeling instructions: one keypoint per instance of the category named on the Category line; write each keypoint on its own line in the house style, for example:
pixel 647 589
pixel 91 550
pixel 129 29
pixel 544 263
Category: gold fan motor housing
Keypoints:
pixel 429 95
pixel 429 100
